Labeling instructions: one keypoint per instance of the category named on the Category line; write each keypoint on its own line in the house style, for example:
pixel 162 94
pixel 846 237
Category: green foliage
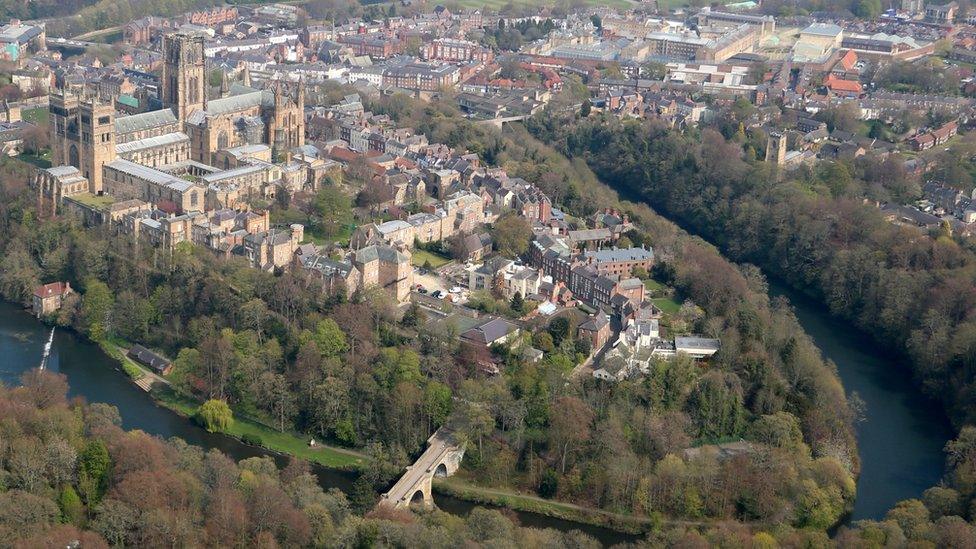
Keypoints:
pixel 716 406
pixel 559 329
pixel 72 510
pixel 511 234
pixel 252 439
pixel 549 484
pixel 93 469
pixel 517 304
pixel 215 416
pixel 96 304
pixel 330 338
pixel 334 209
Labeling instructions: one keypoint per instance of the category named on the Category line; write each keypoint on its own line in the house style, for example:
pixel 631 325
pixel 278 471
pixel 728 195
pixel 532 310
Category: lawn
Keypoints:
pixel 42 160
pixel 93 200
pixel 284 442
pixel 35 116
pixel 420 257
pixel 667 304
pixel 115 348
pixel 653 286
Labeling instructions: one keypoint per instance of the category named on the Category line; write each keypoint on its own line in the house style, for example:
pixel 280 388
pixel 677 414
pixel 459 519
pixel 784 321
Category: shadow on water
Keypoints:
pixel 96 377
pixel 901 438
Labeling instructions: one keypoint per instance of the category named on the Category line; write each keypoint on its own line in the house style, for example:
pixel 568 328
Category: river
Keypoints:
pixel 900 441
pixel 901 438
pixel 96 377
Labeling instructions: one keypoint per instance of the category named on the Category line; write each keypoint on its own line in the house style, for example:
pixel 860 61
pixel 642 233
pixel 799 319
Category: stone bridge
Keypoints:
pixel 441 459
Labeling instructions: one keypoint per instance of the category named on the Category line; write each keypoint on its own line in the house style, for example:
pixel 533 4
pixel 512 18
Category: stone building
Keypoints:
pixel 86 133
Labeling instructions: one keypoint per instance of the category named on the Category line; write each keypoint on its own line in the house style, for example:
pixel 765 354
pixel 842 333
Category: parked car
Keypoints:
pixel 456 290
pixel 437 294
pixel 422 290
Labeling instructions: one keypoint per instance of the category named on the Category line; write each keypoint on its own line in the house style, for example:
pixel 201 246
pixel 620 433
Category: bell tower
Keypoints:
pixel 184 74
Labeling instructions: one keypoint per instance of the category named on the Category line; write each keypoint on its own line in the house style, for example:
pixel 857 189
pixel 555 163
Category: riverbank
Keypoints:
pixel 460 489
pixel 243 428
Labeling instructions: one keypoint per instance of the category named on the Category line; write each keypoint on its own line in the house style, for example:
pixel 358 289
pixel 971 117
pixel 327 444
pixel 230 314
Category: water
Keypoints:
pixel 97 378
pixel 901 439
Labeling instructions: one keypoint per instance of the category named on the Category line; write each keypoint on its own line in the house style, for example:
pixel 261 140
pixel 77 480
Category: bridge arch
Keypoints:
pixel 441 471
pixel 418 497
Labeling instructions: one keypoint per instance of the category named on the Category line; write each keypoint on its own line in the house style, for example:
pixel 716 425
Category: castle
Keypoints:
pixel 169 154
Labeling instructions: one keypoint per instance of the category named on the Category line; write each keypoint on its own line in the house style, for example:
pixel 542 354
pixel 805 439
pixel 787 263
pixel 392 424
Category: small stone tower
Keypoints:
pixel 776 148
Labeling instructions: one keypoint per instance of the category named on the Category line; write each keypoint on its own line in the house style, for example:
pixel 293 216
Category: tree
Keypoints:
pixel 334 209
pixel 374 193
pixel 511 234
pixel 559 329
pixel 716 405
pixel 569 428
pixel 597 21
pixel 330 338
pixel 36 139
pixel 868 9
pixel 95 308
pixel 586 108
pixel 93 468
pixel 543 341
pixel 549 484
pixel 72 510
pixel 517 304
pixel 215 416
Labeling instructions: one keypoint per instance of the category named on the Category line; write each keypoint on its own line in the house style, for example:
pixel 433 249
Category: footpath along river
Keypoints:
pixel 98 378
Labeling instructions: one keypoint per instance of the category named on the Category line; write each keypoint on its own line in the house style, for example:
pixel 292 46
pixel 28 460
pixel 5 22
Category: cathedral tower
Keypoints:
pixel 184 74
pixel 96 123
pixel 286 121
pixel 82 134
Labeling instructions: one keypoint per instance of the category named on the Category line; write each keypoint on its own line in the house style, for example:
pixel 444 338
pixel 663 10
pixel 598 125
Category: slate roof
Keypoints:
pixel 148 358
pixel 151 142
pixel 490 331
pixel 144 121
pixel 620 254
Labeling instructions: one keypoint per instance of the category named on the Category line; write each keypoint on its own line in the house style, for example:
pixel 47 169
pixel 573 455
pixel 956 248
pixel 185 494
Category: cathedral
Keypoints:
pixel 171 155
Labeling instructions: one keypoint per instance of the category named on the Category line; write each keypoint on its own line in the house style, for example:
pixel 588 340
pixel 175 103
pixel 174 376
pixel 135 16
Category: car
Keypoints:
pixel 456 290
pixel 437 294
pixel 422 290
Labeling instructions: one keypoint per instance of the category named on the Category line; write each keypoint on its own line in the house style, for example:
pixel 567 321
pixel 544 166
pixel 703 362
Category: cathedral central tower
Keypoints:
pixel 184 74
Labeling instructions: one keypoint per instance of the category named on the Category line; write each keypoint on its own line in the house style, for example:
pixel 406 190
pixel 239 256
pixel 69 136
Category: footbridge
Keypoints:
pixel 441 459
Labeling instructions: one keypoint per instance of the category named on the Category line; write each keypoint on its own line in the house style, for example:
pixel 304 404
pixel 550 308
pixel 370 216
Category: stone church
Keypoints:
pixel 88 133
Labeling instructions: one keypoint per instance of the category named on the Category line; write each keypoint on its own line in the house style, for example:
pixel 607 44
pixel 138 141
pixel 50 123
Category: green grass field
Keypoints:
pixel 667 304
pixel 35 116
pixel 284 442
pixel 93 200
pixel 423 256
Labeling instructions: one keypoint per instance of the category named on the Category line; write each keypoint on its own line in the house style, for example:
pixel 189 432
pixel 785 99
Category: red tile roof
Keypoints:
pixel 839 84
pixel 848 61
pixel 50 290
